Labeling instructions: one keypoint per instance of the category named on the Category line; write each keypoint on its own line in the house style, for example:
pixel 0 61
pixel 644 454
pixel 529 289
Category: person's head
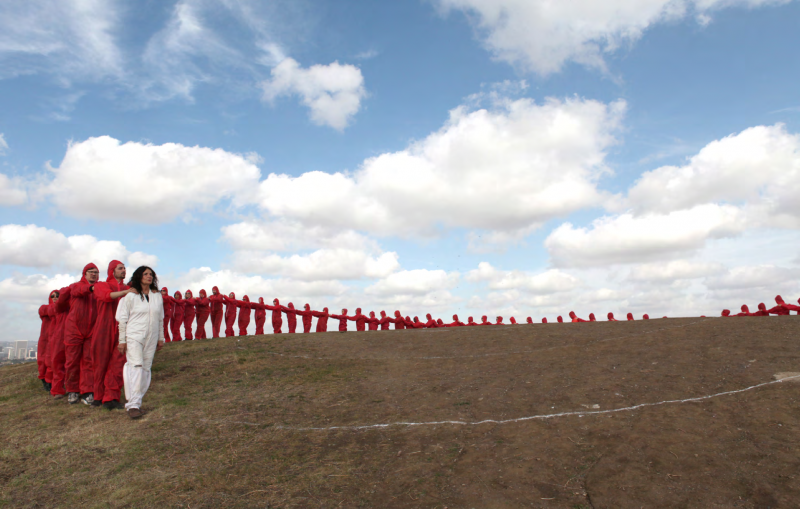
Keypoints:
pixel 246 298
pixel 91 273
pixel 499 319
pixel 231 295
pixel 344 311
pixel 611 316
pixel 726 312
pixel 372 314
pixel 428 316
pixel 144 278
pixel 455 318
pixel 164 291
pixel 261 300
pixel 276 302
pixel 630 316
pixel 646 317
pixel 307 307
pixel 572 314
pixel 592 318
pixel 529 320
pixel 116 270
pixel 560 320
pixel 439 321
pixel 54 296
pixel 177 295
pixel 383 314
pixel 544 320
pixel 484 319
pixel 214 290
pixel 779 300
pixel 745 309
pixel 325 310
pixel 202 294
pixel 188 294
pixel 397 313
pixel 358 311
pixel 512 320
pixel 290 305
pixel 762 307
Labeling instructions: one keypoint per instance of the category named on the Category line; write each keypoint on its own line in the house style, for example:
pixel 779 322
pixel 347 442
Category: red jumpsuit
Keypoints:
pixel 399 324
pixel 216 311
pixel 169 306
pixel 630 317
pixel 592 317
pixel 726 312
pixel 499 321
pixel 575 318
pixel 611 317
pixel 780 309
pixel 485 320
pixel 230 313
pixel 431 323
pixel 361 320
pixel 529 320
pixel 277 315
pixel 307 317
pixel 456 322
pixel 322 319
pixel 107 361
pixel 203 307
pixel 471 322
pixel 792 307
pixel 177 316
pixel 385 321
pixel 342 320
pixel 762 310
pixel 260 316
pixel 372 321
pixel 78 335
pixel 745 311
pixel 189 313
pixel 44 337
pixel 559 319
pixel 291 317
pixel 58 354
pixel 646 317
pixel 244 306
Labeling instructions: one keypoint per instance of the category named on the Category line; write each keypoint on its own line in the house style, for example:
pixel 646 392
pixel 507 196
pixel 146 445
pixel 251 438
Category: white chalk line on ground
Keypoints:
pixel 496 354
pixel 523 419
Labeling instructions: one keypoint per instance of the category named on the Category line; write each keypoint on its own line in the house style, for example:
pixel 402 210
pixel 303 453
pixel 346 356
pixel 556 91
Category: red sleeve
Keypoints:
pixel 80 289
pixel 102 292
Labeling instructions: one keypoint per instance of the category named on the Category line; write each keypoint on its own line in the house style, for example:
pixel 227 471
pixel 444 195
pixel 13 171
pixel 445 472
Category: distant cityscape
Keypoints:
pixel 17 351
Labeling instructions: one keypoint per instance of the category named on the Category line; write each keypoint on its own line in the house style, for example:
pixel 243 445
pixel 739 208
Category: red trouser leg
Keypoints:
pixel 260 327
pixel 201 327
pixel 113 380
pixel 216 321
pixel 58 358
pixel 101 357
pixel 79 363
pixel 166 330
pixel 229 327
pixel 187 327
pixel 176 329
pixel 41 358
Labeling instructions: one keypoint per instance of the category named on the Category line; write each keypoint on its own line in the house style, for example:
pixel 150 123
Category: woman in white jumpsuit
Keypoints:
pixel 140 316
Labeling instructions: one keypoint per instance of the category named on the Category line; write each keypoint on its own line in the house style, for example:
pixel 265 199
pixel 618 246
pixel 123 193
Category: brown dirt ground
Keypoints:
pixel 219 418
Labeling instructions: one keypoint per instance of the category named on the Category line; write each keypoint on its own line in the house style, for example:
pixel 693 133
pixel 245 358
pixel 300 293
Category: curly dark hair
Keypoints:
pixel 136 280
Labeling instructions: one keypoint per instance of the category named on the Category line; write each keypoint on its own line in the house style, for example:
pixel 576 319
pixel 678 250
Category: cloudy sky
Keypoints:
pixel 499 157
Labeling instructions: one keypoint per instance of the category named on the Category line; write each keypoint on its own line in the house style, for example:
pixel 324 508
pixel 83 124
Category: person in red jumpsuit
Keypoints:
pixel 399 323
pixel 456 322
pixel 646 317
pixel 291 317
pixel 485 320
pixel 107 361
pixel 360 319
pixel 544 320
pixel 431 323
pixel 529 320
pixel 260 315
pixel 78 337
pixel 559 319
pixel 57 349
pixel 745 311
pixel 780 309
pixel 373 322
pixel 592 317
pixel 726 312
pixel 230 313
pixel 244 306
pixel 277 315
pixel 575 318
pixel 471 322
pixel 762 310
pixel 322 319
pixel 169 306
pixel 189 312
pixel 216 311
pixel 630 317
pixel 342 320
pixel 611 317
pixel 440 323
pixel 385 321
pixel 307 316
pixel 792 307
pixel 44 338
pixel 513 320
pixel 203 308
pixel 179 306
pixel 415 323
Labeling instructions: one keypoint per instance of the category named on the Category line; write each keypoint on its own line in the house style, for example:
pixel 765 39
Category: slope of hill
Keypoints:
pixel 462 417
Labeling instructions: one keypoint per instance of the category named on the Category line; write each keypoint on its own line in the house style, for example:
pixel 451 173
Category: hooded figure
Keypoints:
pixel 361 320
pixel 630 317
pixel 385 321
pixel 485 320
pixel 611 317
pixel 762 310
pixel 560 320
pixel 342 320
pixel 277 315
pixel 529 320
pixel 179 305
pixel 372 321
pixel 780 309
pixel 575 318
pixel 417 324
pixel 791 307
pixel 244 306
pixel 322 319
pixel 646 317
pixel 544 320
pixel 307 317
pixel 499 321
pixel 260 316
pixel 440 323
pixel 431 323
pixel 471 322
pixel 745 311
pixel 230 313
pixel 203 307
pixel 399 323
pixel 56 349
pixel 215 300
pixel 44 336
pixel 107 361
pixel 169 308
pixel 189 313
pixel 513 320
pixel 726 312
pixel 456 322
pixel 291 317
pixel 592 318
pixel 78 336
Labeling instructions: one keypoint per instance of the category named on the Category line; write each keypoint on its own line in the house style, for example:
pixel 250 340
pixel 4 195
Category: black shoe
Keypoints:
pixel 118 405
pixel 109 405
pixel 48 387
pixel 44 384
pixel 96 402
pixel 87 398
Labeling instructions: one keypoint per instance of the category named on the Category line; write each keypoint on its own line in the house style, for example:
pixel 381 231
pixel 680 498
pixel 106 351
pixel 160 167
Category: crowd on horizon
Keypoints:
pixel 78 355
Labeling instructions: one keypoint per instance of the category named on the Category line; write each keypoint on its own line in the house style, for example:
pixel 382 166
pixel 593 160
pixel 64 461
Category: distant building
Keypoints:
pixel 32 354
pixel 20 349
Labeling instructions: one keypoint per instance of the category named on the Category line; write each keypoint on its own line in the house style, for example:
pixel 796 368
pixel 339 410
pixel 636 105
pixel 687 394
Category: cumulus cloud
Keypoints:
pixel 3 145
pixel 256 286
pixel 674 271
pixel 543 35
pixel 631 239
pixel 323 264
pixel 12 191
pixel 104 179
pixel 513 167
pixel 70 39
pixel 36 246
pixel 283 235
pixel 751 277
pixel 332 92
pixel 548 282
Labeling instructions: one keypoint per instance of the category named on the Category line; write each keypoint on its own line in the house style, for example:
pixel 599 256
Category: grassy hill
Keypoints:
pixel 228 421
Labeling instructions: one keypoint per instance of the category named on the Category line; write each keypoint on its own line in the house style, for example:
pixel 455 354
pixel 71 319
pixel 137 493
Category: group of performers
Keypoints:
pixel 78 353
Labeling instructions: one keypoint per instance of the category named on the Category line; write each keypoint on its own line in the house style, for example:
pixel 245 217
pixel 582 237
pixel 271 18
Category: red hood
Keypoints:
pixel 83 276
pixel 544 320
pixel 261 300
pixel 428 316
pixel 307 307
pixel 165 289
pixel 344 311
pixel 188 294
pixel 214 289
pixel 646 317
pixel 178 295
pixel 572 314
pixel 202 293
pixel 762 307
pixel 49 299
pixel 110 272
pixel 439 321
pixel 358 311
pixel 470 320
pixel 560 320
pixel 246 298
pixel 779 300
pixel 611 316
pixel 529 320
pixel 372 314
pixel 484 318
pixel 324 310
pixel 276 302
pixel 726 312
pixel 630 316
pixel 383 313
pixel 290 305
pixel 745 309
pixel 592 317
pixel 231 295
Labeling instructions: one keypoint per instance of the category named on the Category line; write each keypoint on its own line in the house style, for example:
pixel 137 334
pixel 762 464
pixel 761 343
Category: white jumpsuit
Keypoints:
pixel 141 327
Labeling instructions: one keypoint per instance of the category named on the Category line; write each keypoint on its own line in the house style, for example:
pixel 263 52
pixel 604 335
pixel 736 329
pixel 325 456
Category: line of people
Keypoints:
pixel 78 355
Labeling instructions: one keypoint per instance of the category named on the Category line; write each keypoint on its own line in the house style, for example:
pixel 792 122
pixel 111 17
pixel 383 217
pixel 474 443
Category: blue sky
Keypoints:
pixel 470 156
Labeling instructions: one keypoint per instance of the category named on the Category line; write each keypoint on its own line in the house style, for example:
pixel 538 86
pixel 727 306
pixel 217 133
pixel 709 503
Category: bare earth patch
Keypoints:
pixel 603 415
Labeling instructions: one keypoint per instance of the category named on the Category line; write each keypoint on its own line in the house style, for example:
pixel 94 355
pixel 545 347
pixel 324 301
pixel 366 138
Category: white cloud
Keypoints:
pixel 631 239
pixel 544 35
pixel 103 179
pixel 12 191
pixel 674 271
pixel 549 282
pixel 71 39
pixel 419 282
pixel 767 277
pixel 3 145
pixel 323 264
pixel 281 235
pixel 36 246
pixel 332 92
pixel 507 169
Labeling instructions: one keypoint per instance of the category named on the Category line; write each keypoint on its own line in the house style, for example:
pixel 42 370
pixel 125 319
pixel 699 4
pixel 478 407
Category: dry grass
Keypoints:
pixel 217 430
